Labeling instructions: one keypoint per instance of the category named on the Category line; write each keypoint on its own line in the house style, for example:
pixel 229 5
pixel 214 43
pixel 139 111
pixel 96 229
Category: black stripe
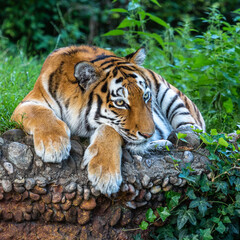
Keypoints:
pixel 89 105
pixel 127 68
pixel 173 113
pixel 67 103
pixel 170 105
pixel 119 80
pixel 101 57
pixel 45 99
pixel 157 84
pixel 159 130
pixel 110 65
pixel 115 71
pixel 110 61
pixel 99 104
pixel 104 87
pixel 183 123
pixel 163 96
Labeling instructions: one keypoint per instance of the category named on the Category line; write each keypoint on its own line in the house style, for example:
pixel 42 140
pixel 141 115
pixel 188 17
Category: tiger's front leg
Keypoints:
pixel 50 134
pixel 103 157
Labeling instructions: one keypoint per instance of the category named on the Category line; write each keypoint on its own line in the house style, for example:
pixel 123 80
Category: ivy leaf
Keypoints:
pixel 191 216
pixel 201 204
pixel 137 237
pixel 163 212
pixel 223 186
pixel 222 142
pixel 205 183
pixel 174 202
pixel 206 234
pixel 150 216
pixel 226 219
pixel 143 225
pixel 221 228
pixel 182 220
pixel 191 194
pixel 237 183
pixel 228 105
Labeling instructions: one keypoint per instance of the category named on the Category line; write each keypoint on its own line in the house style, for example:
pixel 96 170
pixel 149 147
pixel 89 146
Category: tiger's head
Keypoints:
pixel 120 96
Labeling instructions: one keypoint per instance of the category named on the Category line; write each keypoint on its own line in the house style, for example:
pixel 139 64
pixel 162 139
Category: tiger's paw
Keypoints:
pixel 103 169
pixel 52 146
pixel 159 145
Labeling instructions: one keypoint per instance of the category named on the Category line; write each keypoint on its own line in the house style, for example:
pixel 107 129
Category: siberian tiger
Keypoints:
pixel 90 92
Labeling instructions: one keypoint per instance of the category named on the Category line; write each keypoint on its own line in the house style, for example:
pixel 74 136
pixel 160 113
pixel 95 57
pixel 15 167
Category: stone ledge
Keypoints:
pixel 35 194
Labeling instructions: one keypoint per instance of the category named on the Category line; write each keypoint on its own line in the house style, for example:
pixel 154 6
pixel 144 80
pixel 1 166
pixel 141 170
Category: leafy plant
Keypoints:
pixel 210 207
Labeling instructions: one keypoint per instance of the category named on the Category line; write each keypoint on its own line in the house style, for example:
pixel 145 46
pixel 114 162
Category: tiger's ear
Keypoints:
pixel 137 57
pixel 86 74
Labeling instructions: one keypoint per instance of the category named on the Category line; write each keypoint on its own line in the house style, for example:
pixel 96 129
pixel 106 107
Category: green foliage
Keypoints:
pixel 210 208
pixel 18 75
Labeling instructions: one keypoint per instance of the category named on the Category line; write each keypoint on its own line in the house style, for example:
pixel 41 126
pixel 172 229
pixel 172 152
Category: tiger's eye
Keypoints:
pixel 146 96
pixel 119 102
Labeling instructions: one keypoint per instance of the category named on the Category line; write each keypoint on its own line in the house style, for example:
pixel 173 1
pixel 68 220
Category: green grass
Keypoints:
pixel 18 75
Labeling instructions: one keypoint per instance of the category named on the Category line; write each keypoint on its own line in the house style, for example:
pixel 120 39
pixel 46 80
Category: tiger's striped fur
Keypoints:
pixel 90 92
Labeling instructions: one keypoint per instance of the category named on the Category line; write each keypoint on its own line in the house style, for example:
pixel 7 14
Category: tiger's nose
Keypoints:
pixel 146 135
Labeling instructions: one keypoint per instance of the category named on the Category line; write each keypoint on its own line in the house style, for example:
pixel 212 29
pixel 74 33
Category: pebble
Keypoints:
pixel 131 188
pixel 83 216
pixel 47 198
pixel 115 217
pixel 7 185
pixel 40 190
pixel 173 180
pixel 145 180
pixel 137 158
pixel 131 205
pixel 165 182
pixel 127 156
pixel 29 183
pixel 157 182
pixel 167 188
pixel 34 196
pixel 9 167
pixel 184 182
pixel 79 189
pixel 86 193
pixel 66 205
pixel 19 182
pixel 148 196
pixel 41 181
pixel 39 163
pixel 56 197
pixel 95 192
pixel 76 202
pixel 141 204
pixel 149 162
pixel 1 141
pixel 69 196
pixel 160 197
pixel 76 148
pixel 131 179
pixel 88 204
pixel 188 157
pixel 168 159
pixel 124 187
pixel 19 189
pixel 155 189
pixel 20 155
pixel 71 187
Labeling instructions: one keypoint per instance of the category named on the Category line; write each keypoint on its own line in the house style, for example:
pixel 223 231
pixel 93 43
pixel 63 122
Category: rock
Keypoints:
pixel 70 196
pixel 29 183
pixel 48 215
pixel 76 148
pixel 71 187
pixel 39 163
pixel 18 189
pixel 141 204
pixel 88 204
pixel 126 217
pixel 41 181
pixel 14 135
pixel 71 215
pixel 155 189
pixel 86 194
pixel 148 196
pixel 56 197
pixel 27 216
pixel 124 187
pixel 83 216
pixel 66 205
pixel 7 185
pixel 39 190
pixel 34 196
pixel 41 207
pixel 1 141
pixel 47 198
pixel 79 189
pixel 131 179
pixel 157 182
pixel 165 182
pixel 9 167
pixel 115 217
pixel 127 156
pixel 77 200
pixel 131 205
pixel 59 216
pixel 145 180
pixel 167 188
pixel 95 192
pixel 19 182
pixel 188 157
pixel 17 197
pixel 20 155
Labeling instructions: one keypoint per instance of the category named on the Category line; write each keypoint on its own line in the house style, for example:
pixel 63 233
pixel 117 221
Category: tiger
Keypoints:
pixel 90 92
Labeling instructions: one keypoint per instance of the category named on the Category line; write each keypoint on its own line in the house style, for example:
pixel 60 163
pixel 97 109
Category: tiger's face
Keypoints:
pixel 120 96
pixel 128 102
